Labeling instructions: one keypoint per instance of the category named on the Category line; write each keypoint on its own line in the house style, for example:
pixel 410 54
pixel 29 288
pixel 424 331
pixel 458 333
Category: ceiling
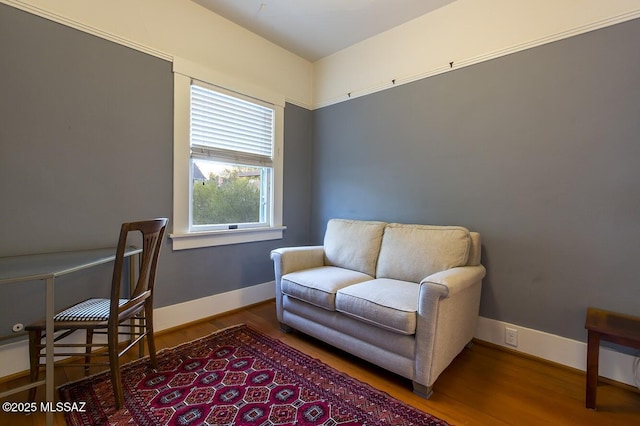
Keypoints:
pixel 314 29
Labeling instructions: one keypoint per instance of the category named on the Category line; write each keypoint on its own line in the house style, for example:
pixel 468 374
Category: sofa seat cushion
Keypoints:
pixel 318 286
pixel 384 302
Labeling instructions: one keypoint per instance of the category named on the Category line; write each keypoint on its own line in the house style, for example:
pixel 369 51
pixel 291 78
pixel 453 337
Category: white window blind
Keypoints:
pixel 230 128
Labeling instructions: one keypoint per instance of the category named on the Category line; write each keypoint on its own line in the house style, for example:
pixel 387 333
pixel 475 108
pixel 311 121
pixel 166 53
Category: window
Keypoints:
pixel 227 166
pixel 231 160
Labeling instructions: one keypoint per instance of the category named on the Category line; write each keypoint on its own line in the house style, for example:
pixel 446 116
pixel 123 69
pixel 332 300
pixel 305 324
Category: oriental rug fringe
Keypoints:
pixel 236 376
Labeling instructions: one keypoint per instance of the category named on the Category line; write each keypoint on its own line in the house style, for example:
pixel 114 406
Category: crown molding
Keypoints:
pixel 363 91
pixel 54 17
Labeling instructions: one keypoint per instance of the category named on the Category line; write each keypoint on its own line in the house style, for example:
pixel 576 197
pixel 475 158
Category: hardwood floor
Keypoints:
pixel 483 386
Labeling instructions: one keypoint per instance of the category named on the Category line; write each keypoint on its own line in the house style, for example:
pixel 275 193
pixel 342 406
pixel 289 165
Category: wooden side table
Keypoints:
pixel 612 327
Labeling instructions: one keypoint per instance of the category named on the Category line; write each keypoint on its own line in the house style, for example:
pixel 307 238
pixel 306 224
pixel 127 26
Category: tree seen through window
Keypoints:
pixel 228 195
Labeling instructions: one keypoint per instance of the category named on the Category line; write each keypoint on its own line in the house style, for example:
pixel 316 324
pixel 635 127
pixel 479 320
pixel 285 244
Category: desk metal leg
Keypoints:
pixel 49 329
pixel 593 352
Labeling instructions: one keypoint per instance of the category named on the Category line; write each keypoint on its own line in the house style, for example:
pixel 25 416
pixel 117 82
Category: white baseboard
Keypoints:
pixel 572 353
pixel 193 310
pixel 164 318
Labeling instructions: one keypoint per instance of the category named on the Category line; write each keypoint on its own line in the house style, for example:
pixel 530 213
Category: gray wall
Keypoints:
pixel 86 134
pixel 537 150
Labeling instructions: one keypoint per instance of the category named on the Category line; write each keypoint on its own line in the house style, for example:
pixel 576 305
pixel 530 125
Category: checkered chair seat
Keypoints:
pixel 89 310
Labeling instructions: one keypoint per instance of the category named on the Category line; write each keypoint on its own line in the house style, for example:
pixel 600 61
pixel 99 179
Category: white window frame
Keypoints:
pixel 182 236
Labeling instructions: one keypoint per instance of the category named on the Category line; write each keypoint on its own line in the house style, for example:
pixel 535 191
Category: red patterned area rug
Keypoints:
pixel 237 376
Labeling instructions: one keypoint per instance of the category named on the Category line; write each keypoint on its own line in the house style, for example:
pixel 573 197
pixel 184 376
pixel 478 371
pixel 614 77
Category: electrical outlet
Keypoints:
pixel 511 336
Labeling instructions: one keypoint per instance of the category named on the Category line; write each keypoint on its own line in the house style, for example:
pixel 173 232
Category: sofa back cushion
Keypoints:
pixel 474 249
pixel 353 244
pixel 413 252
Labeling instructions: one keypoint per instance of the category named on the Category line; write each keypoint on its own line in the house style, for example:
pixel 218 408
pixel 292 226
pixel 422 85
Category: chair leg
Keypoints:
pixel 114 362
pixel 35 342
pixel 87 357
pixel 151 344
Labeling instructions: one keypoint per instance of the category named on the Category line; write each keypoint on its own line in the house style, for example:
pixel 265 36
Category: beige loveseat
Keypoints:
pixel 404 297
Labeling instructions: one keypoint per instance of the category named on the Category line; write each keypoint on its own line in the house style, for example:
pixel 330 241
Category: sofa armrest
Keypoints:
pixel 454 280
pixel 447 318
pixel 291 259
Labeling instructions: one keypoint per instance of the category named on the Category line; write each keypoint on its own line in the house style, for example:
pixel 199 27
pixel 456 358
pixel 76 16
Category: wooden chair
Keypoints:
pixel 131 315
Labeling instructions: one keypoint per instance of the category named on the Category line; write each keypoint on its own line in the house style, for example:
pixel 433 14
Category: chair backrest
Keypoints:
pixel 152 238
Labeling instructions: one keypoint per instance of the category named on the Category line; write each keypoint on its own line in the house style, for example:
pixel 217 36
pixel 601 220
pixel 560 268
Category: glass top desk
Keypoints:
pixel 47 267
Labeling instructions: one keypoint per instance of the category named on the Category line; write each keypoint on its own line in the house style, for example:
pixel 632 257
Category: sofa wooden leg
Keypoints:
pixel 285 328
pixel 422 390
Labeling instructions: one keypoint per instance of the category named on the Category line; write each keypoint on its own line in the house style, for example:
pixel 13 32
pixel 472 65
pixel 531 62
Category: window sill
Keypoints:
pixel 225 237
